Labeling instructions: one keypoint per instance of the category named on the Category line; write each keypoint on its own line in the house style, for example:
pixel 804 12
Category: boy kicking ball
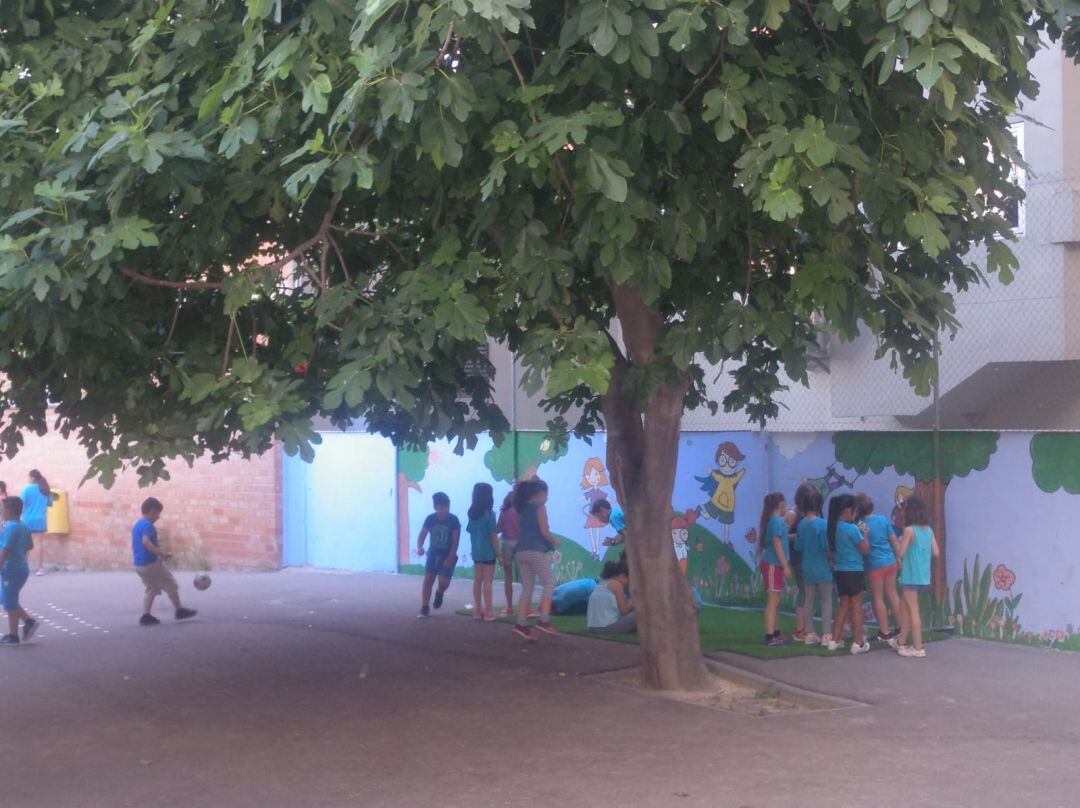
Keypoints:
pixel 150 564
pixel 15 544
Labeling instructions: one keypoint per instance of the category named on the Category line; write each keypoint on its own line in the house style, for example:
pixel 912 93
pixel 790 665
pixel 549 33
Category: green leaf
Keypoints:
pixel 812 141
pixel 302 181
pixel 782 203
pixel 604 178
pixel 926 227
pixel 315 94
pixel 1001 259
pixel 774 12
pixel 974 45
pixel 918 21
pixel 930 61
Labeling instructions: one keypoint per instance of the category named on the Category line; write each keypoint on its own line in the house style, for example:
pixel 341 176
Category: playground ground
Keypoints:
pixel 305 688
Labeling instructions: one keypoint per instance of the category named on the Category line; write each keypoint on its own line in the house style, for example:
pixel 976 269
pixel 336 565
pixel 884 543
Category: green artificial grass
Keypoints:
pixel 734 630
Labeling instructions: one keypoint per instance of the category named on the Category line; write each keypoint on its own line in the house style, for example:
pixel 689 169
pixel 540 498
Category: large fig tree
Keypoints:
pixel 219 219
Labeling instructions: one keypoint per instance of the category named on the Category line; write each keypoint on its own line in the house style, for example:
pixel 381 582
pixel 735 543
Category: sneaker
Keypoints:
pixel 424 612
pixel 799 635
pixel 546 627
pixel 825 640
pixel 893 642
pixel 833 645
pixel 9 639
pixel 438 599
pixel 509 611
pixel 28 629
pixel 148 620
pixel 895 633
pixel 910 651
pixel 490 617
pixel 184 614
pixel 778 641
pixel 882 636
pixel 859 649
pixel 525 633
pixel 812 639
pixel 40 571
pixel 477 614
pixel 533 613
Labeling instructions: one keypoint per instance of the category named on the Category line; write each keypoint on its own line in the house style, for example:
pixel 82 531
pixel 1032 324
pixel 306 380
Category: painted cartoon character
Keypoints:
pixel 680 538
pixel 593 480
pixel 720 485
pixel 829 483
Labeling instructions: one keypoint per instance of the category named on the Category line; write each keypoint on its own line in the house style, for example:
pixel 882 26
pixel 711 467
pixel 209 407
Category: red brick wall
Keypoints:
pixel 225 515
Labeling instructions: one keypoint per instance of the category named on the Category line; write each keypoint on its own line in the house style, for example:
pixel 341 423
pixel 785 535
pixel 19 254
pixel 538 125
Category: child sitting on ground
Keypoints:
pixel 15 545
pixel 610 610
pixel 149 562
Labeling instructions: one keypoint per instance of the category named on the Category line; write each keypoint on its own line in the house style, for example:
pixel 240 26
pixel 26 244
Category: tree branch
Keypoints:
pixel 164 284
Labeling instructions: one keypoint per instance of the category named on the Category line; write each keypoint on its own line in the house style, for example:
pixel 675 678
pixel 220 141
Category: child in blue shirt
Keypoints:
pixel 15 545
pixel 445 531
pixel 812 541
pixel 149 560
pixel 483 535
pixel 602 510
pixel 918 546
pixel 849 546
pixel 775 569
pixel 880 565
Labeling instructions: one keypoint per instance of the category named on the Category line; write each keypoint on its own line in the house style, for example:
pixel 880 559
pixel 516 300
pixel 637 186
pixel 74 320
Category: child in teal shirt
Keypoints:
pixel 918 546
pixel 15 545
pixel 485 549
pixel 812 541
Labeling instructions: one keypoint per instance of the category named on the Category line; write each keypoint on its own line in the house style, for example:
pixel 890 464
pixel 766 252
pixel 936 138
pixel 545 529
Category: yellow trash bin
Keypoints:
pixel 56 517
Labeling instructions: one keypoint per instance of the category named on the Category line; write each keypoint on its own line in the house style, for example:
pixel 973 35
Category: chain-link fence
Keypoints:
pixel 1014 363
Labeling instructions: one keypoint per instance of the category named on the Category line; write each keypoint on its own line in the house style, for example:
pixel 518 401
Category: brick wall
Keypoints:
pixel 224 515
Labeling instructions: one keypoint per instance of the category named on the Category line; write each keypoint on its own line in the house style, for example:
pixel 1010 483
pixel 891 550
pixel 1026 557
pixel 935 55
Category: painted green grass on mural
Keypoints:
pixel 739 632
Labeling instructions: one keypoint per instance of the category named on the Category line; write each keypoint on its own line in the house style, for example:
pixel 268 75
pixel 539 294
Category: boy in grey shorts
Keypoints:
pixel 149 562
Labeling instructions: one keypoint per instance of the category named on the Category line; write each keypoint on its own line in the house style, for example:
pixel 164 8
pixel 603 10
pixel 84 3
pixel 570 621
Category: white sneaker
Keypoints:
pixel 826 639
pixel 859 649
pixel 832 645
pixel 812 639
pixel 910 651
pixel 893 643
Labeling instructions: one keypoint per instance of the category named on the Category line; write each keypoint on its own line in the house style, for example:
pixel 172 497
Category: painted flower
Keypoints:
pixel 301 369
pixel 700 547
pixel 1060 635
pixel 557 557
pixel 993 623
pixel 723 566
pixel 1004 578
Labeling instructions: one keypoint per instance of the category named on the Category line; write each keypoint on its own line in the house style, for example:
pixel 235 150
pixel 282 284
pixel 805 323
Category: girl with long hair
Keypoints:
pixel 775 569
pixel 485 549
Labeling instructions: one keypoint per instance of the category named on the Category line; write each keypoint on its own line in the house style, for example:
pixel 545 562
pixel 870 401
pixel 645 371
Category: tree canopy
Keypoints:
pixel 1055 461
pixel 913 452
pixel 532 449
pixel 220 219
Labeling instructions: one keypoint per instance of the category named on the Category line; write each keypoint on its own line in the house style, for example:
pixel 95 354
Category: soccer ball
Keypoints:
pixel 202 581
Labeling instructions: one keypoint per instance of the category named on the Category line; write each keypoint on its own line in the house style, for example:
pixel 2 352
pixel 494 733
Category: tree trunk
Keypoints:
pixel 642 450
pixel 404 485
pixel 932 492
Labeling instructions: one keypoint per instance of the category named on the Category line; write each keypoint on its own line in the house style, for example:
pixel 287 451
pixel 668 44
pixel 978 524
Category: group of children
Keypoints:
pixel 22 520
pixel 527 540
pixel 853 549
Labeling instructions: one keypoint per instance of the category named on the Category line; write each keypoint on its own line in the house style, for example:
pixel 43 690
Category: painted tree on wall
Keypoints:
pixel 913 453
pixel 533 449
pixel 1055 461
pixel 412 465
pixel 220 219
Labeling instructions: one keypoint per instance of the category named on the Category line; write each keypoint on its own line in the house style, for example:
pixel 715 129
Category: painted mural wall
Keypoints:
pixel 1012 504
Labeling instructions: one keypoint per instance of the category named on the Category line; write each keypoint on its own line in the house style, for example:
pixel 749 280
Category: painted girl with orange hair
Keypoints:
pixel 593 479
